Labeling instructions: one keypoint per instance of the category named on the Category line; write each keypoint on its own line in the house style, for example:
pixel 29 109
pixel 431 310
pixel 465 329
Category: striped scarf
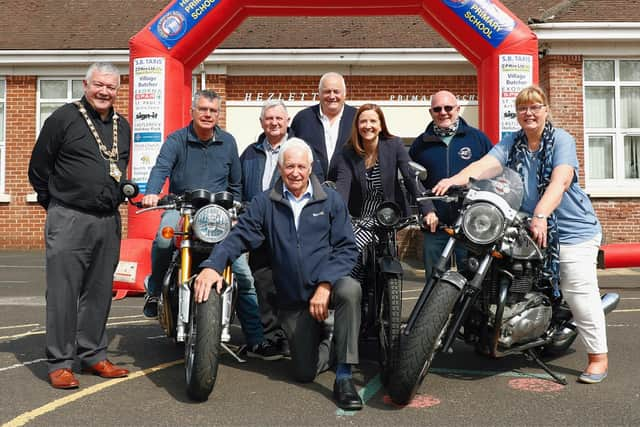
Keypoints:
pixel 516 161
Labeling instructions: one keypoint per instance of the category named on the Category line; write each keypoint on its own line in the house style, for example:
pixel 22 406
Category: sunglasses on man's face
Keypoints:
pixel 447 108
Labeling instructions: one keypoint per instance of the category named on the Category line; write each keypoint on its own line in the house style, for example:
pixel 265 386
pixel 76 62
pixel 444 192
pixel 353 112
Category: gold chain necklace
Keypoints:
pixel 112 155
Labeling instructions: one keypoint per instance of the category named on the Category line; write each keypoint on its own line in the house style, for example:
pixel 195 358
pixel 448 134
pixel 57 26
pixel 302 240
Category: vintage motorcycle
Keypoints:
pixel 499 302
pixel 382 293
pixel 203 328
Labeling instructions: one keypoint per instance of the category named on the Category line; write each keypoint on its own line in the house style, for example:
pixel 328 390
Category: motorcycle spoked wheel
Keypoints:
pixel 389 321
pixel 202 347
pixel 417 350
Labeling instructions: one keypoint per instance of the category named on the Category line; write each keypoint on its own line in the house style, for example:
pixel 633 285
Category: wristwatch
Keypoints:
pixel 540 216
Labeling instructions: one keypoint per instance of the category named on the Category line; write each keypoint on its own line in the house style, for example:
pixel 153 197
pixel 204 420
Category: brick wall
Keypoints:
pixel 560 76
pixel 358 87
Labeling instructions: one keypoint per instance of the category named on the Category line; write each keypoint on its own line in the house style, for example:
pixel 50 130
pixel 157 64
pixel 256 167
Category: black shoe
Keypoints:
pixel 150 308
pixel 283 347
pixel 345 395
pixel 265 351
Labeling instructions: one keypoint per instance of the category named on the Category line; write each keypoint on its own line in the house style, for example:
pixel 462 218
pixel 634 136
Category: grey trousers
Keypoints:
pixel 312 349
pixel 82 252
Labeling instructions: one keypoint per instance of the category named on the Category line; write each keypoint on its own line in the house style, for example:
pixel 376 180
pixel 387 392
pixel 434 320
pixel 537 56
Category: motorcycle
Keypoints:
pixel 499 301
pixel 203 328
pixel 382 293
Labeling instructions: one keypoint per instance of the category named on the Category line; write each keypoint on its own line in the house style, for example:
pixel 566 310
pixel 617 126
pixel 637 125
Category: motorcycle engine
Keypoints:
pixel 524 321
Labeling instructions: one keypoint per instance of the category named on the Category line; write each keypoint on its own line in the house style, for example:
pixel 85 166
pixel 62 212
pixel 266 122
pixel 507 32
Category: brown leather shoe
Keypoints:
pixel 63 378
pixel 106 369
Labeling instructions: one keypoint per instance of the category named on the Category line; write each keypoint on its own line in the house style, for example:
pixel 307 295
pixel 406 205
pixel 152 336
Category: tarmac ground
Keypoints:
pixel 462 388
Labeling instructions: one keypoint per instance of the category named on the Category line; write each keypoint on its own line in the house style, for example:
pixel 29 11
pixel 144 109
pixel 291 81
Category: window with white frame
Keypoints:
pixel 612 126
pixel 55 92
pixel 3 91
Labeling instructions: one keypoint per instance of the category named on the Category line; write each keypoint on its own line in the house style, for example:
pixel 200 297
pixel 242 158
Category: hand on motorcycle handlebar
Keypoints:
pixel 319 303
pixel 441 188
pixel 204 282
pixel 538 229
pixel 150 201
pixel 430 221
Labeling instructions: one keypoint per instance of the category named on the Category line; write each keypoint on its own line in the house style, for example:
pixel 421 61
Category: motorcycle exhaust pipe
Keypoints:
pixel 563 339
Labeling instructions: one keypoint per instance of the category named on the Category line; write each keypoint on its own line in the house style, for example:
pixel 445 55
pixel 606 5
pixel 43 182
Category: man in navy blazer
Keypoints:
pixel 327 125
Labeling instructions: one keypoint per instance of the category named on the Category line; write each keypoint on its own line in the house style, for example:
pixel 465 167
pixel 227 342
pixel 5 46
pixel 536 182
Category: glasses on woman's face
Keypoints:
pixel 447 108
pixel 535 108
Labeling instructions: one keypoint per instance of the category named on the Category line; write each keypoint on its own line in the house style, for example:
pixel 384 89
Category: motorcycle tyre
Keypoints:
pixel 389 322
pixel 202 347
pixel 417 350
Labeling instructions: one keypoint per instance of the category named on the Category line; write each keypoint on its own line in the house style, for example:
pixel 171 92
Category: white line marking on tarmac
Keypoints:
pixel 25 334
pixel 29 325
pixel 630 310
pixel 22 266
pixel 13 281
pixel 26 417
pixel 21 365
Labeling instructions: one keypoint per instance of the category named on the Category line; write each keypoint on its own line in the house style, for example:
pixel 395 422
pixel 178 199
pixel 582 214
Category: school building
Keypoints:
pixel 589 57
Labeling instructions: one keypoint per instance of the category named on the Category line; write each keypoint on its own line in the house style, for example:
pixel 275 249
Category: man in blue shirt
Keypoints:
pixel 307 231
pixel 259 173
pixel 201 155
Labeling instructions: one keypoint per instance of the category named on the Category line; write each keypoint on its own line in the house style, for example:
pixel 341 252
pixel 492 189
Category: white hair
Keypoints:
pixel 102 67
pixel 292 143
pixel 332 74
pixel 272 103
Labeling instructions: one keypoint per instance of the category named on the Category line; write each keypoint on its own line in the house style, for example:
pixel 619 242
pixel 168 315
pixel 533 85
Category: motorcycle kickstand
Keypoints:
pixel 531 355
pixel 232 353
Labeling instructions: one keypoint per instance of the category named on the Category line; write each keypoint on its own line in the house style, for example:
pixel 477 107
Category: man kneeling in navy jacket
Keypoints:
pixel 312 249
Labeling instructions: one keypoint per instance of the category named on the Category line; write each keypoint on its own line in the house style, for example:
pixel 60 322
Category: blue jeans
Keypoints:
pixel 247 304
pixel 432 248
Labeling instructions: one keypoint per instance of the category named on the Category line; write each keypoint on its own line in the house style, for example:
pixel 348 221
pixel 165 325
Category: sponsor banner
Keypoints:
pixel 485 18
pixel 148 116
pixel 516 73
pixel 179 19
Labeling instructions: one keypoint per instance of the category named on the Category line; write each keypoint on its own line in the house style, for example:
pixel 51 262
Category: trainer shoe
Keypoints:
pixel 265 351
pixel 150 308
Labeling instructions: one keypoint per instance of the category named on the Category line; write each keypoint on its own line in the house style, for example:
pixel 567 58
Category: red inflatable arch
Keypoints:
pixel 163 55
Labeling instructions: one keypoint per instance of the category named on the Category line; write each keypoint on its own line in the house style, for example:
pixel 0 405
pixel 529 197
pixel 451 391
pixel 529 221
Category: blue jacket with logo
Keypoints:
pixel 442 161
pixel 322 249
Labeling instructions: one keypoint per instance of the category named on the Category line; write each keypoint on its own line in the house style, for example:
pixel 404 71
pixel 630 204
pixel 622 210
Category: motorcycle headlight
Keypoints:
pixel 211 224
pixel 482 223
pixel 388 214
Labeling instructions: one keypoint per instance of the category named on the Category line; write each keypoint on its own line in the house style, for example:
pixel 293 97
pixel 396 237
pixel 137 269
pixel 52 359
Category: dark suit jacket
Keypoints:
pixel 307 125
pixel 392 156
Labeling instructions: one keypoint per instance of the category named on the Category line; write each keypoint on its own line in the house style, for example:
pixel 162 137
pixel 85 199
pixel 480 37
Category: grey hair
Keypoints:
pixel 205 93
pixel 102 67
pixel 271 103
pixel 294 143
pixel 332 74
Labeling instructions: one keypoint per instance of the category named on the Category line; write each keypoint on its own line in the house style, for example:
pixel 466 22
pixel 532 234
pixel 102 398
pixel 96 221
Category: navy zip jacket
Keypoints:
pixel 322 249
pixel 442 161
pixel 307 125
pixel 253 159
pixel 191 164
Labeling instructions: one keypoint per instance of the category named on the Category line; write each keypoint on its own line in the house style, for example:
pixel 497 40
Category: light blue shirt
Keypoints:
pixel 577 221
pixel 298 204
pixel 270 163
